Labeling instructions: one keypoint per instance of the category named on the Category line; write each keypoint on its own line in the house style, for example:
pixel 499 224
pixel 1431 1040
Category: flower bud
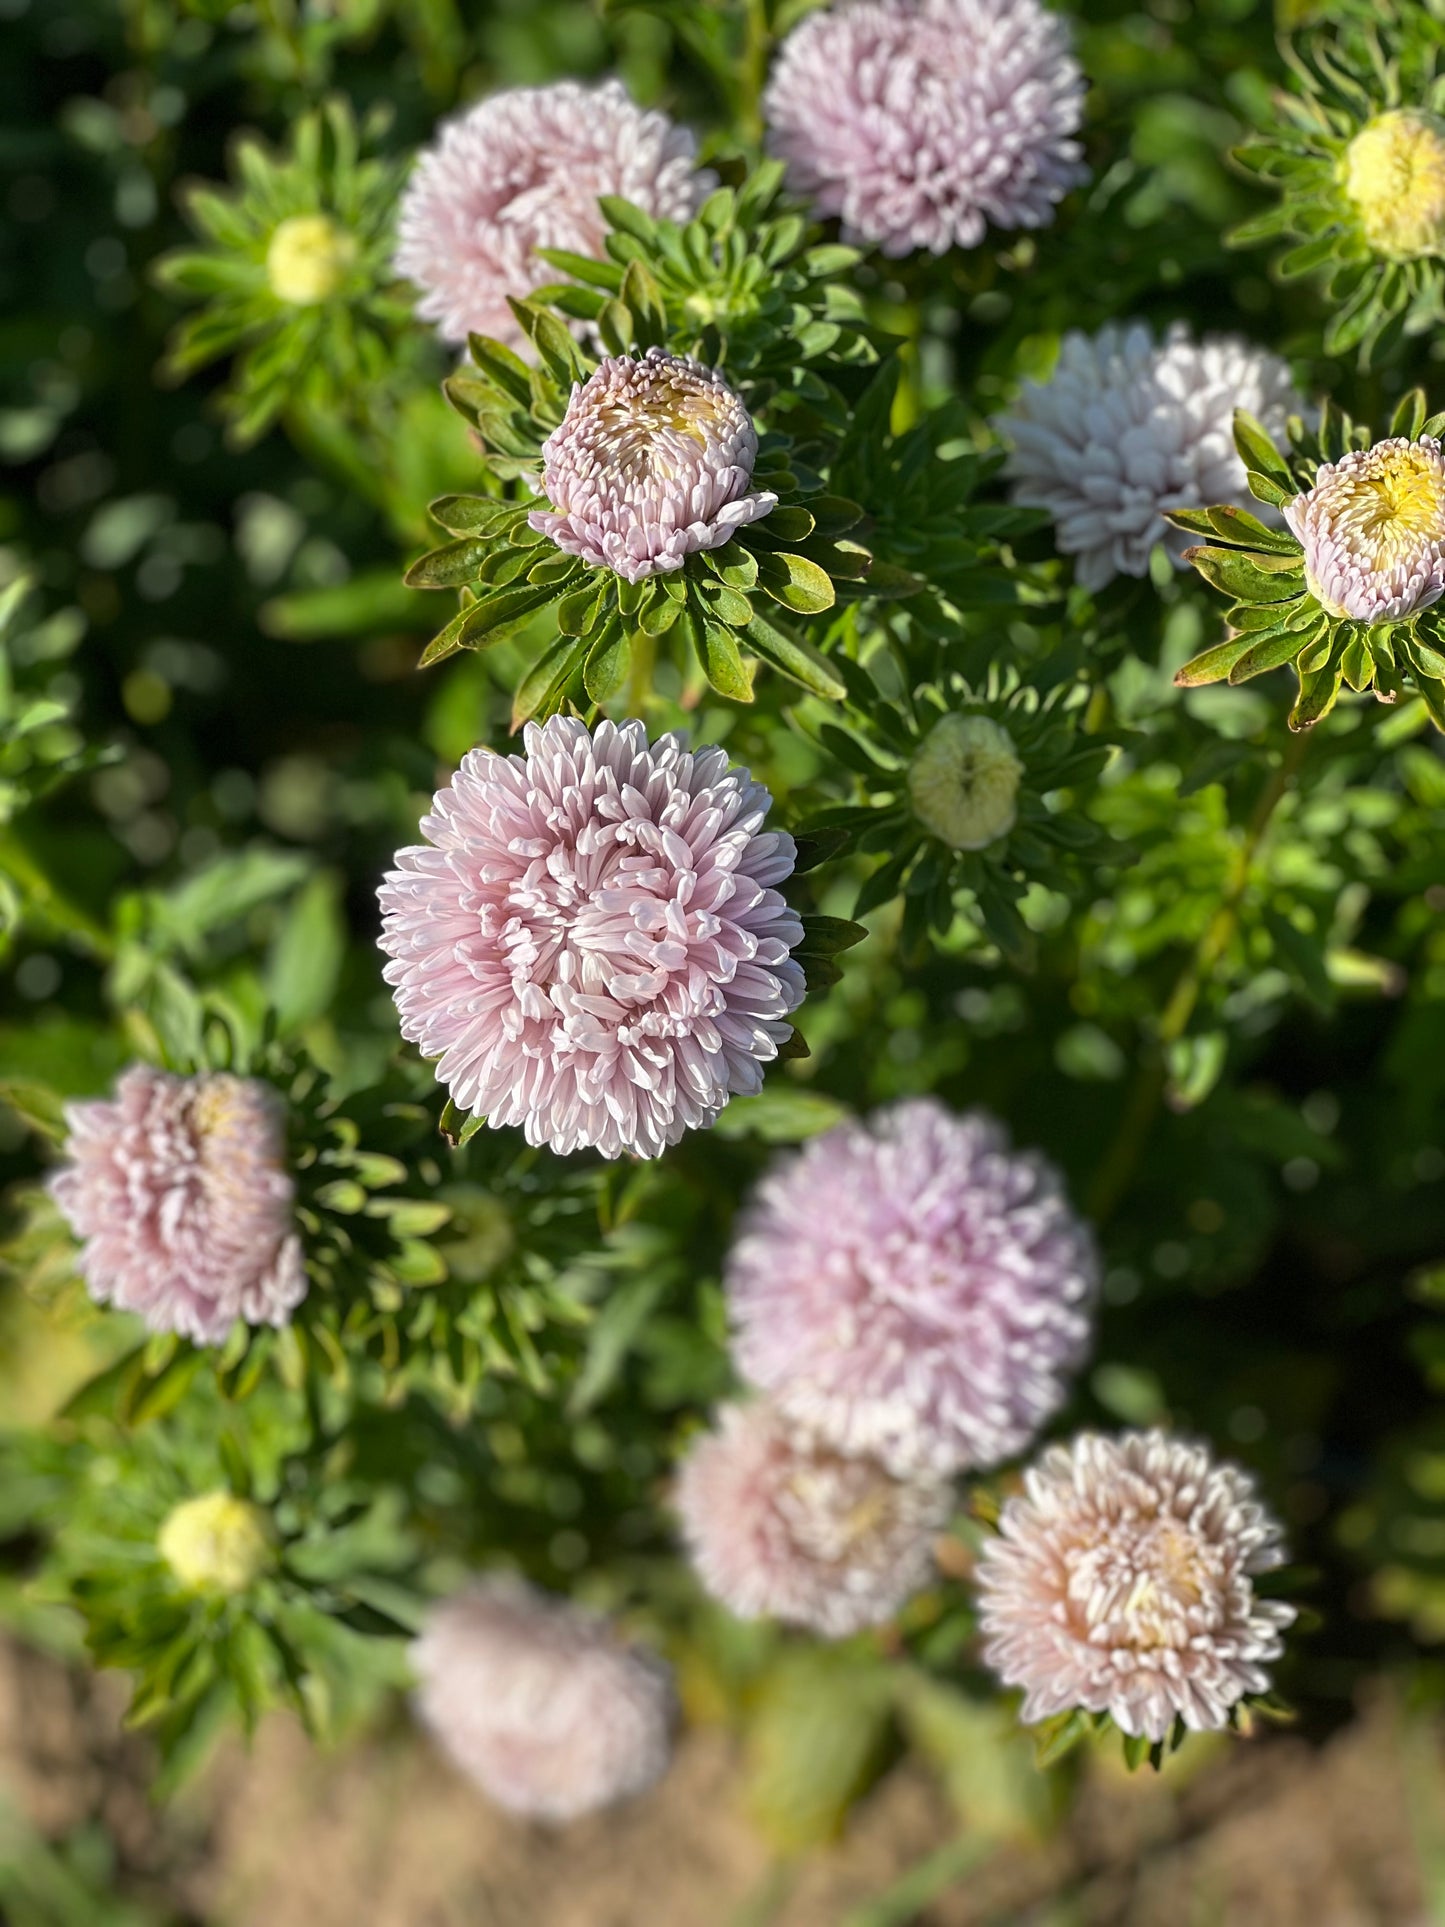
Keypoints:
pixel 217 1543
pixel 1394 174
pixel 963 783
pixel 308 259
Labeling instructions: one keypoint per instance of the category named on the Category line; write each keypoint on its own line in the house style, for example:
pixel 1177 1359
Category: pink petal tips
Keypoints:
pixel 1121 1583
pixel 541 1704
pixel 523 170
pixel 653 460
pixel 912 1289
pixel 178 1190
pixel 591 940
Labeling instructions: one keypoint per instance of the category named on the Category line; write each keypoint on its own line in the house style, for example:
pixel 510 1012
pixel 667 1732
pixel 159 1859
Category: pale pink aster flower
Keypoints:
pixel 1120 1583
pixel 540 1703
pixel 1373 530
pixel 652 461
pixel 779 1526
pixel 1127 427
pixel 590 940
pixel 178 1190
pixel 919 121
pixel 912 1290
pixel 524 170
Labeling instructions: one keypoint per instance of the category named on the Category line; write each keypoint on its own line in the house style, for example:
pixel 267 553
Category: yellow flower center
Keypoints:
pixel 308 259
pixel 217 1543
pixel 1385 509
pixel 1394 173
pixel 963 783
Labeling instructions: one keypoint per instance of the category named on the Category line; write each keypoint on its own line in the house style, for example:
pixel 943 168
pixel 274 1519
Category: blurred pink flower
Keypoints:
pixel 178 1190
pixel 919 121
pixel 540 1703
pixel 523 170
pixel 651 461
pixel 590 940
pixel 778 1526
pixel 912 1289
pixel 1120 1582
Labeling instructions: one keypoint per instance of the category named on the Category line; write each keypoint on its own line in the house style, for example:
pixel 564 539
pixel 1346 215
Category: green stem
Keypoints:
pixel 757 45
pixel 42 896
pixel 1115 1174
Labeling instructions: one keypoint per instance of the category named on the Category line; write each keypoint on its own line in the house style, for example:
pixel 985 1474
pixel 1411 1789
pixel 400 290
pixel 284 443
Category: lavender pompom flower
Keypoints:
pixel 1372 528
pixel 540 1703
pixel 1121 1583
pixel 523 170
pixel 652 461
pixel 913 1290
pixel 591 940
pixel 178 1190
pixel 779 1526
pixel 1126 428
pixel 919 121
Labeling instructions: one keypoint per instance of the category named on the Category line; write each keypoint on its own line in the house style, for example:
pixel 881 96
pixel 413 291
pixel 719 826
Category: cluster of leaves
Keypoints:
pixel 1346 79
pixel 1052 843
pixel 323 349
pixel 1275 618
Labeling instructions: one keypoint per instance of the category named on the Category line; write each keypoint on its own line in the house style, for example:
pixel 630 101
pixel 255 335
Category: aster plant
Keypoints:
pixel 969 797
pixel 1347 591
pixel 294 273
pixel 672 510
pixel 1357 156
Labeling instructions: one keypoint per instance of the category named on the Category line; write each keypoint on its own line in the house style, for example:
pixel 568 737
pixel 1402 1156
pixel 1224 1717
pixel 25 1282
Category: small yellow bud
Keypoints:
pixel 308 259
pixel 963 783
pixel 1394 174
pixel 217 1543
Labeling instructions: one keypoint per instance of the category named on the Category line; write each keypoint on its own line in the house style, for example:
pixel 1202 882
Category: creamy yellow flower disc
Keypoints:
pixel 1394 174
pixel 963 783
pixel 217 1543
pixel 308 259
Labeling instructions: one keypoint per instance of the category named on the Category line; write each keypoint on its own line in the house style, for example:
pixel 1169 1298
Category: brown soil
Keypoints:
pixel 383 1834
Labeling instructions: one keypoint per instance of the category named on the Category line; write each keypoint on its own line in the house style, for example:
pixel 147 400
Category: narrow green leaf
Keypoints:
pixel 608 661
pixel 795 658
pixel 1267 652
pixel 449 567
pixel 1257 450
pixel 723 663
pixel 1249 578
pixel 1212 665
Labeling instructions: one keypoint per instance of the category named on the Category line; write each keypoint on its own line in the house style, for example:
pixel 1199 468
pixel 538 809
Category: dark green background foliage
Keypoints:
pixel 1209 982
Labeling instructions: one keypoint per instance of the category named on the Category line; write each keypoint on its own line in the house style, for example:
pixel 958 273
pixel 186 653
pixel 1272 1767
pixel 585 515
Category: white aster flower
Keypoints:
pixel 1121 1582
pixel 1373 530
pixel 1126 428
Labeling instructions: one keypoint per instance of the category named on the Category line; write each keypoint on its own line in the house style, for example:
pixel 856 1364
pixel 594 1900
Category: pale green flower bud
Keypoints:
pixel 308 259
pixel 217 1543
pixel 963 783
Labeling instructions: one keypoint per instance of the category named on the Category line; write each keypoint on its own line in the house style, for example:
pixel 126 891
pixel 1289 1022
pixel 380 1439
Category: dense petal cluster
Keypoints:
pixel 1126 428
pixel 919 121
pixel 178 1189
pixel 653 460
pixel 780 1526
pixel 1394 175
pixel 1121 1583
pixel 541 1704
pixel 1373 530
pixel 914 1290
pixel 523 170
pixel 963 781
pixel 591 940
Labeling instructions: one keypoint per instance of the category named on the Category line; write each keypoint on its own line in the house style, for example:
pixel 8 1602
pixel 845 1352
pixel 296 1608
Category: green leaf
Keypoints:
pixel 723 663
pixel 626 218
pixel 1317 694
pixel 1258 452
pixel 825 936
pixel 1268 652
pixel 1237 525
pixel 608 661
pixel 451 567
pixel 544 684
pixel 611 1338
pixel 306 958
pixel 475 514
pixel 577 613
pixel 503 366
pixel 490 618
pixel 1409 416
pixel 782 1113
pixel 795 658
pixel 1249 578
pixel 795 582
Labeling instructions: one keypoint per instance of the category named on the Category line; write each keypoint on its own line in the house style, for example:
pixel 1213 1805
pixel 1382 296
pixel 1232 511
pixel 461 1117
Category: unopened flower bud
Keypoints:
pixel 308 259
pixel 1394 174
pixel 964 781
pixel 217 1543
